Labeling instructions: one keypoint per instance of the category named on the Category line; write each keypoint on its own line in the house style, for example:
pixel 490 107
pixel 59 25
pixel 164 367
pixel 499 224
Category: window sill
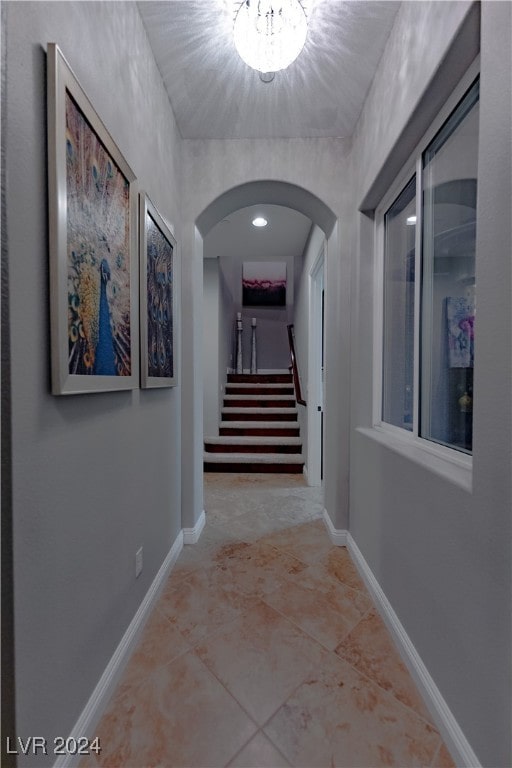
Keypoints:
pixel 449 465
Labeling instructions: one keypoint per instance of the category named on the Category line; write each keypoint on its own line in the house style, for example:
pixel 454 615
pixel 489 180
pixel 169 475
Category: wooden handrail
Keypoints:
pixel 294 367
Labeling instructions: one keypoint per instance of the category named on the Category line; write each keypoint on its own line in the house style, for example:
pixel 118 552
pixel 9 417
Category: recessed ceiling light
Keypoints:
pixel 411 220
pixel 259 221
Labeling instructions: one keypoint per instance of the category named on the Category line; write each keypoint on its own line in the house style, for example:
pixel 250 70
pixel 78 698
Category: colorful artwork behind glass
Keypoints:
pixel 460 314
pixel 264 284
pixel 98 250
pixel 159 301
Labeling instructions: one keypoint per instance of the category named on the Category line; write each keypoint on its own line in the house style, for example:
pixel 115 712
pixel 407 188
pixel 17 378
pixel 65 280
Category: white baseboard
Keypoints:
pixel 191 535
pixel 454 738
pixel 91 714
pixel 337 536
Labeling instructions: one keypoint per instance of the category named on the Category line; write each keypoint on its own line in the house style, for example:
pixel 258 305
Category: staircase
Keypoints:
pixel 259 431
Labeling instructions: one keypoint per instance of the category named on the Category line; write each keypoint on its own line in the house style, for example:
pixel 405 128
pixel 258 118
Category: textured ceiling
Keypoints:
pixel 215 95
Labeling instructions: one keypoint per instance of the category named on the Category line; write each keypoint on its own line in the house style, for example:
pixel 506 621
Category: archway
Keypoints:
pixel 250 193
pixel 268 191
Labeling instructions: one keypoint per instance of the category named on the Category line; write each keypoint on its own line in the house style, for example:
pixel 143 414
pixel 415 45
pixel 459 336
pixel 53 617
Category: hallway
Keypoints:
pixel 264 650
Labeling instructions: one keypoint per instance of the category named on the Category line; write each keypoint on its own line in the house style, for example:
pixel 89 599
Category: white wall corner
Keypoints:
pixel 455 740
pixel 191 535
pixel 307 480
pixel 338 536
pixel 86 724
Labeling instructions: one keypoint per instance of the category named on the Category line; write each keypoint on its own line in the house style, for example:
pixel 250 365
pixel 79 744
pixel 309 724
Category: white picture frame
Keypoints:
pixel 93 245
pixel 159 271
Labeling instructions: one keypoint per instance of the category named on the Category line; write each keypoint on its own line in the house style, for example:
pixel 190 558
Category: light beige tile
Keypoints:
pixel 204 553
pixel 253 480
pixel 338 566
pixel 202 603
pixel 260 569
pixel 160 643
pixel 370 650
pixel 259 753
pixel 261 658
pixel 251 528
pixel 265 600
pixel 308 542
pixel 340 718
pixel 181 716
pixel 230 552
pixel 325 610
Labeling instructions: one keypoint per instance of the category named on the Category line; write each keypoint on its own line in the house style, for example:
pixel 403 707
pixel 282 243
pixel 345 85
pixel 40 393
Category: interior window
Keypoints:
pixel 399 256
pixel 448 279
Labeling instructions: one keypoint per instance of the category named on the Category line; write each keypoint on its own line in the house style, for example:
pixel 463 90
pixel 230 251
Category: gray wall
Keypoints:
pixel 96 476
pixel 441 552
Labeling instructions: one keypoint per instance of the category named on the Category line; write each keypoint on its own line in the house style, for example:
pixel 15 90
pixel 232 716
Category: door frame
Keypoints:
pixel 316 345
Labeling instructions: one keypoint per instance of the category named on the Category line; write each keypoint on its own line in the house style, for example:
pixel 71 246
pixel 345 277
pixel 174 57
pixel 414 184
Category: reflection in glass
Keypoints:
pixel 398 359
pixel 448 278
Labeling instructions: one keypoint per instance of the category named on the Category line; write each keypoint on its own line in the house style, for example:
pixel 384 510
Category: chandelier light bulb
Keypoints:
pixel 270 34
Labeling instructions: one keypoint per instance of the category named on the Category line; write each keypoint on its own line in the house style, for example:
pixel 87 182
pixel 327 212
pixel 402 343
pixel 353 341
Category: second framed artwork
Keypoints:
pixel 158 299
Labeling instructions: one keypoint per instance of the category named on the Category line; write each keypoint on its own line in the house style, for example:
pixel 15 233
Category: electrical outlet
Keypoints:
pixel 138 563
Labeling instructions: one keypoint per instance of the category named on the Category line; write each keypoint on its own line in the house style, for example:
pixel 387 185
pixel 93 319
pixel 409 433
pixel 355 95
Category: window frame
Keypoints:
pixel 413 167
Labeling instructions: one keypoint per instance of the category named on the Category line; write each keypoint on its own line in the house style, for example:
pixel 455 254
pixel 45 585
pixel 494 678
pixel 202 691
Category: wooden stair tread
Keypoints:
pixel 254 430
pixel 253 467
pixel 253 444
pixel 260 397
pixel 262 424
pixel 255 388
pixel 263 439
pixel 256 410
pixel 262 378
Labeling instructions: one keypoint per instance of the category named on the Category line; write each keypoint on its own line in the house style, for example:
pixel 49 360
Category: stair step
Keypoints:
pixel 259 401
pixel 253 462
pixel 257 428
pixel 259 389
pixel 259 431
pixel 259 414
pixel 239 468
pixel 256 444
pixel 261 378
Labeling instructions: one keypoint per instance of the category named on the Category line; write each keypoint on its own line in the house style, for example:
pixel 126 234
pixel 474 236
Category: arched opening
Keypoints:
pixel 268 191
pixel 248 194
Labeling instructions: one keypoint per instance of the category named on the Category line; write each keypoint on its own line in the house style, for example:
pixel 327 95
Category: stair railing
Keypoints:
pixel 294 366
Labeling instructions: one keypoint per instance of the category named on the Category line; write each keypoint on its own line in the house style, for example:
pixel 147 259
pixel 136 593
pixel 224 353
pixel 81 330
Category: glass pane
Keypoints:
pixel 448 279
pixel 398 361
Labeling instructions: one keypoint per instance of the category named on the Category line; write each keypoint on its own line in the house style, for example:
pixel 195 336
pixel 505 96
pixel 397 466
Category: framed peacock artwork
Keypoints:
pixel 94 278
pixel 158 295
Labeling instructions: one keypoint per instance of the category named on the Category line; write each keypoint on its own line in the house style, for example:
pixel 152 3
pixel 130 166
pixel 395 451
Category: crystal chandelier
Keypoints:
pixel 270 34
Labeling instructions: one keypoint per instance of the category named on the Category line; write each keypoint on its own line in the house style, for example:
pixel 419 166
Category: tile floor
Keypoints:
pixel 265 650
